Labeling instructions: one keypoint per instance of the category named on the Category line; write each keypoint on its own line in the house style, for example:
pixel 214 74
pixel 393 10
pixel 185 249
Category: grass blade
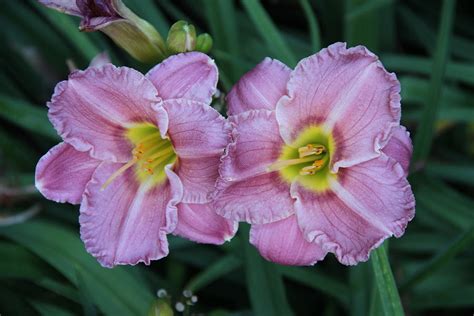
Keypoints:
pixel 115 292
pixel 386 286
pixel 441 259
pixel 27 116
pixel 313 25
pixel 264 283
pixel 317 281
pixel 268 31
pixel 69 28
pixel 215 271
pixel 424 135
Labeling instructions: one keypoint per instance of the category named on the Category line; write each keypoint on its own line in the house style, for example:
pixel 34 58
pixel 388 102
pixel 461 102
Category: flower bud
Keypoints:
pixel 204 43
pixel 160 307
pixel 135 35
pixel 181 38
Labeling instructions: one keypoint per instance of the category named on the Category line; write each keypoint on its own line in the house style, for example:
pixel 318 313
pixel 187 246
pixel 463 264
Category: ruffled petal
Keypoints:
pixel 190 75
pixel 63 172
pixel 200 223
pixel 196 129
pixel 256 143
pixel 368 203
pixel 245 190
pixel 66 6
pixel 199 135
pixel 283 242
pixel 399 147
pixel 260 88
pixel 350 94
pixel 93 108
pixel 257 200
pixel 127 222
pixel 198 176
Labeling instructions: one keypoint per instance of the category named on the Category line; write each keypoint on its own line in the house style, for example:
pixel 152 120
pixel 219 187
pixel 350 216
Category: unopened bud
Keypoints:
pixel 204 43
pixel 138 37
pixel 181 37
pixel 135 35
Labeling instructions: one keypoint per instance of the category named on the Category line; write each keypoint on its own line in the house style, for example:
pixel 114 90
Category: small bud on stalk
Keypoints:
pixel 204 43
pixel 181 38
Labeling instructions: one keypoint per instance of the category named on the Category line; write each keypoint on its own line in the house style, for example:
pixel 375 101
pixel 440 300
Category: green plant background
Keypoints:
pixel 44 268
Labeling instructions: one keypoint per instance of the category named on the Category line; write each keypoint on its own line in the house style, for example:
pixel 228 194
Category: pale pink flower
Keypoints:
pixel 140 154
pixel 318 160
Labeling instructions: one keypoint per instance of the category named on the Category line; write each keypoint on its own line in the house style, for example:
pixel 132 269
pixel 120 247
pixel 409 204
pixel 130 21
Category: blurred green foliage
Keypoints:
pixel 44 268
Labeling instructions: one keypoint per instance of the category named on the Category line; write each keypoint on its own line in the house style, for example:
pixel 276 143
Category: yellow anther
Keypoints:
pixel 310 150
pixel 318 163
pixel 309 170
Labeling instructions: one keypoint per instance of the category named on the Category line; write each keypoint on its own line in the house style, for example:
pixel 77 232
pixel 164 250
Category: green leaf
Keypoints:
pixel 223 26
pixel 360 281
pixel 386 286
pixel 70 29
pixel 31 267
pixel 462 72
pixel 424 135
pixel 442 258
pixel 268 31
pixel 318 281
pixel 452 172
pixel 438 199
pixel 313 25
pixel 27 116
pixel 47 309
pixel 148 10
pixel 214 272
pixel 114 291
pixel 264 282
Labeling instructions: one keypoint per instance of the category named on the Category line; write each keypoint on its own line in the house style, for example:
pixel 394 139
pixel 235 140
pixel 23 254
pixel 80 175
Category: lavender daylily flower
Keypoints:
pixel 318 160
pixel 140 154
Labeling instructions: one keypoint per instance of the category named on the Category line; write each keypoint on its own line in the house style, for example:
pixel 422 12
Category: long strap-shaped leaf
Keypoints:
pixel 264 283
pixel 268 31
pixel 115 291
pixel 385 281
pixel 424 136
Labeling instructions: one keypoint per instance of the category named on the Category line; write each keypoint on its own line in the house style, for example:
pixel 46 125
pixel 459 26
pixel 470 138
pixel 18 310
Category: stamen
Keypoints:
pixel 119 172
pixel 311 149
pixel 290 162
pixel 310 170
pixel 159 154
pixel 163 157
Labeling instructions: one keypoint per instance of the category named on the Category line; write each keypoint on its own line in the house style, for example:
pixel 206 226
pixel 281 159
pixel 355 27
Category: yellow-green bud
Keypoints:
pixel 181 38
pixel 160 307
pixel 135 35
pixel 138 37
pixel 204 43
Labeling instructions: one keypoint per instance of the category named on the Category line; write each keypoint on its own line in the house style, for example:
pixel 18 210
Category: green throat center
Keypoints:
pixel 150 155
pixel 307 160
